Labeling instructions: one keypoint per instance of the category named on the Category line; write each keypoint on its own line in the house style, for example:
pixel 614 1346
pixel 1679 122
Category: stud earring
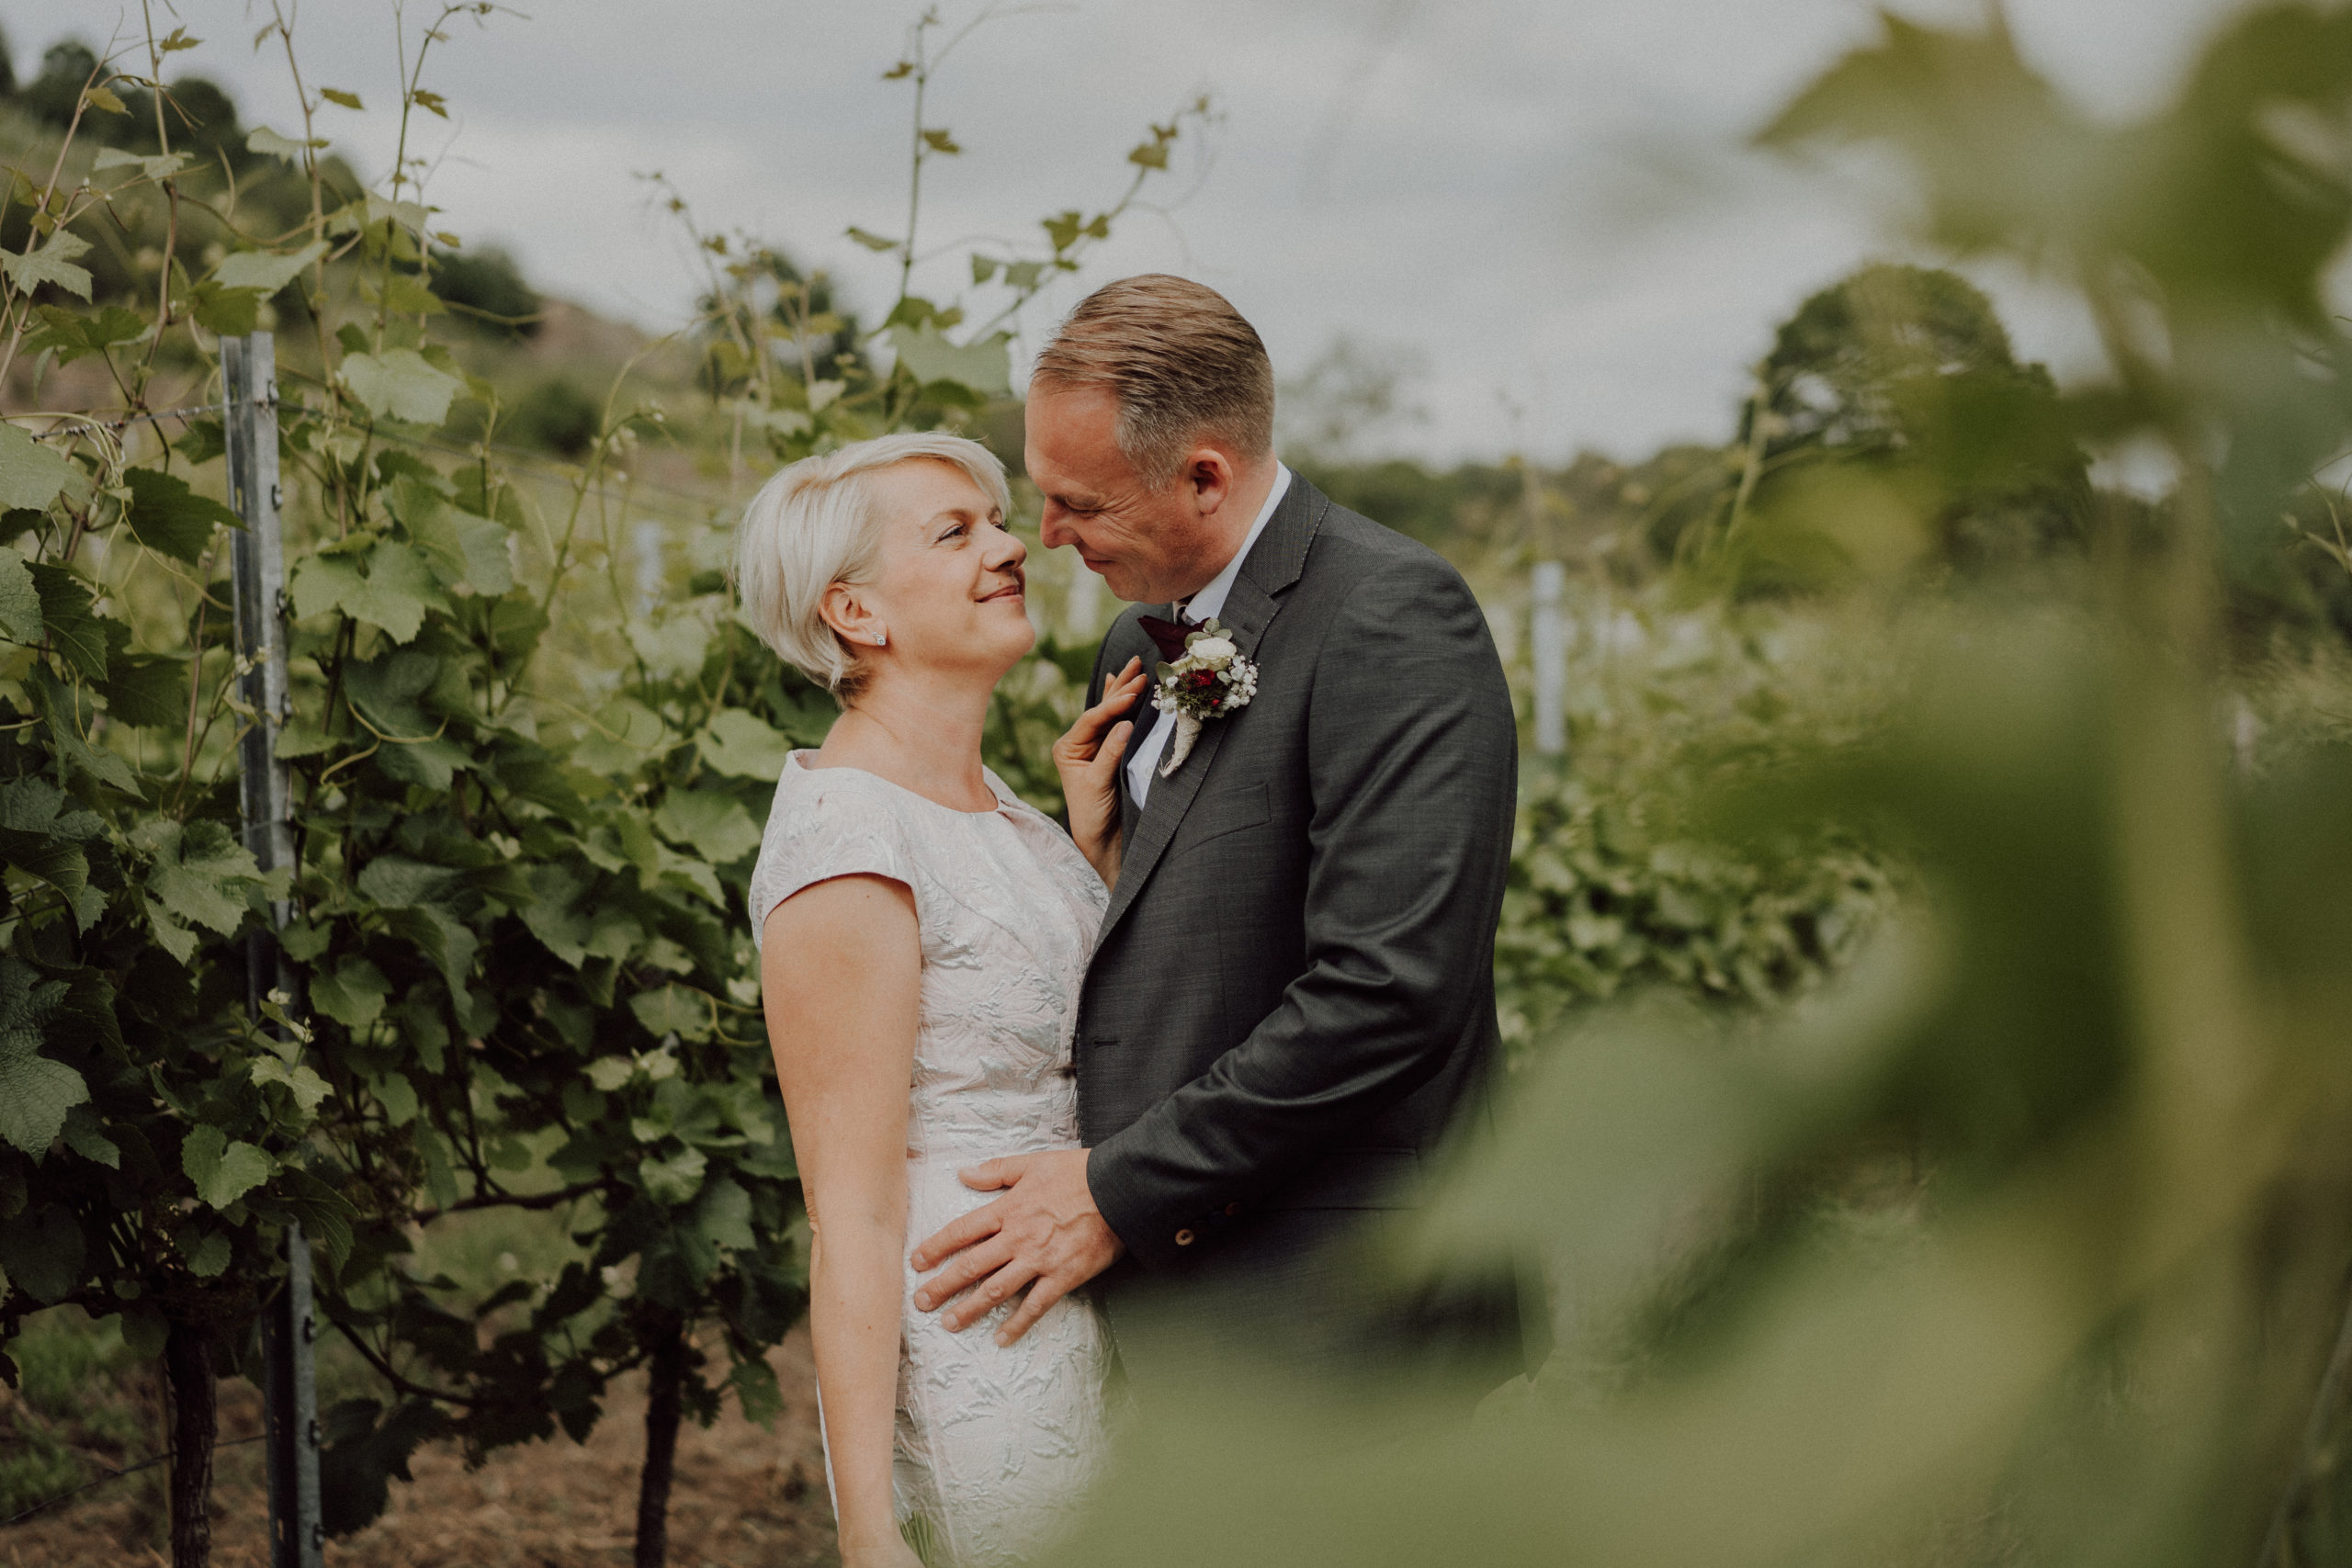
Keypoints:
pixel 882 639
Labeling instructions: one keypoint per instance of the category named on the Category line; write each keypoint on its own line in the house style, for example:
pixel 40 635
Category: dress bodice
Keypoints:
pixel 1007 908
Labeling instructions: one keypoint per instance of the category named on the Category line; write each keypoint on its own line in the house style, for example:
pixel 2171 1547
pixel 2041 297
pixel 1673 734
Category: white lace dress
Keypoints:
pixel 995 1444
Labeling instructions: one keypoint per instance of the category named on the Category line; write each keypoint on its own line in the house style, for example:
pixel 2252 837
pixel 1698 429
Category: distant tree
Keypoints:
pixel 206 123
pixel 65 70
pixel 1470 504
pixel 1634 516
pixel 1338 409
pixel 803 306
pixel 1906 375
pixel 489 288
pixel 1839 368
pixel 8 68
pixel 556 415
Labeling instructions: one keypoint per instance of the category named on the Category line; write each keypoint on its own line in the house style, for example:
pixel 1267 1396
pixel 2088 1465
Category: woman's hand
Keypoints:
pixel 1088 758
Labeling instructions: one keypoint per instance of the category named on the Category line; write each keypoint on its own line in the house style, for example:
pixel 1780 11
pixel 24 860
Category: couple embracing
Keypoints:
pixel 1105 1108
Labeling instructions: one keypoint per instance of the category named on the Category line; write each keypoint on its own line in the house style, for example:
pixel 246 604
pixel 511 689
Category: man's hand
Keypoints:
pixel 1044 1233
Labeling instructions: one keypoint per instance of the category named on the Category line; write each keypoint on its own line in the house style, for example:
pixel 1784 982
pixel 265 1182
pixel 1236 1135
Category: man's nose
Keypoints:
pixel 1052 530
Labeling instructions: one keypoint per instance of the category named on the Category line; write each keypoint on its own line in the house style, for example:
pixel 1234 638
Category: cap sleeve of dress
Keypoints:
pixel 819 831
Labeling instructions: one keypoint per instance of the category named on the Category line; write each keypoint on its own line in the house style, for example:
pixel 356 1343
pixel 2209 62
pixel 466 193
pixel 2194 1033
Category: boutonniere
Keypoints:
pixel 1210 680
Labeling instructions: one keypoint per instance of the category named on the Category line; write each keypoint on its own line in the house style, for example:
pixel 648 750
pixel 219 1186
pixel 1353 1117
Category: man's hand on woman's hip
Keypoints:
pixel 1044 1233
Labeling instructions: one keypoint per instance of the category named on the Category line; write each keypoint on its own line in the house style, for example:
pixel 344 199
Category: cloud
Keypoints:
pixel 1550 201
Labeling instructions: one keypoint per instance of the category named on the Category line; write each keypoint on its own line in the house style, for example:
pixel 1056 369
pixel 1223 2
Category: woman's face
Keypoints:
pixel 948 586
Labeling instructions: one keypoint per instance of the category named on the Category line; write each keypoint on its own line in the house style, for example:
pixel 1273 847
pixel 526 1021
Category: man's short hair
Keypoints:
pixel 1181 362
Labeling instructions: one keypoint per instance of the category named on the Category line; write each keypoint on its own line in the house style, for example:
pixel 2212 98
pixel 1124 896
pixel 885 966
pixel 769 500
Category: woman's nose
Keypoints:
pixel 1009 552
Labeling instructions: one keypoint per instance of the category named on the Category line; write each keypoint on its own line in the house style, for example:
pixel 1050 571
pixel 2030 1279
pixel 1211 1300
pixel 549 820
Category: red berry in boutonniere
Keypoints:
pixel 1210 680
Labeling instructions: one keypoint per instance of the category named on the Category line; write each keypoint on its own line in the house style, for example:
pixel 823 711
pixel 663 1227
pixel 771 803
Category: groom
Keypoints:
pixel 1291 1002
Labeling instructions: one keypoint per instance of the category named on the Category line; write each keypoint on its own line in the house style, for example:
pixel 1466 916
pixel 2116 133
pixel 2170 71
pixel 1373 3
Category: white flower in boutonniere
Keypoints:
pixel 1209 682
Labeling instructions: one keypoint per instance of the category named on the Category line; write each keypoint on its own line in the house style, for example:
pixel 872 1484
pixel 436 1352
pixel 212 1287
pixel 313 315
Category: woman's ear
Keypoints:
pixel 852 620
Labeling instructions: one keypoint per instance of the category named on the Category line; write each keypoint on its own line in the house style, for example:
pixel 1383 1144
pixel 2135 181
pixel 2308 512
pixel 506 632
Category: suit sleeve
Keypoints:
pixel 1412 764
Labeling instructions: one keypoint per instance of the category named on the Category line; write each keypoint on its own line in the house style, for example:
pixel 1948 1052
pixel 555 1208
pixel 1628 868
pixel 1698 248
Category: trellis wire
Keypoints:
pixel 117 1475
pixel 80 423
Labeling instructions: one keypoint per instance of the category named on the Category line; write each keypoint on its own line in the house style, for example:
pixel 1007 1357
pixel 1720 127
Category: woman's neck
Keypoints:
pixel 922 736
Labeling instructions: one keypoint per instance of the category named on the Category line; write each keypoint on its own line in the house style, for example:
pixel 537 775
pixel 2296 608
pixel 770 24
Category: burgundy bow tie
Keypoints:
pixel 1168 635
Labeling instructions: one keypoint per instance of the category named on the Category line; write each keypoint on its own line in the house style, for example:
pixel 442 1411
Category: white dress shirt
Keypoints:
pixel 1143 762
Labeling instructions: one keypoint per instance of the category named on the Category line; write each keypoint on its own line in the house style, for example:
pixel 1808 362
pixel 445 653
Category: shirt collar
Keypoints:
pixel 1209 600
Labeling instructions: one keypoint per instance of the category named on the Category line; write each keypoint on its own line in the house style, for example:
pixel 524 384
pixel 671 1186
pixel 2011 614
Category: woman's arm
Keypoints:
pixel 1088 759
pixel 840 972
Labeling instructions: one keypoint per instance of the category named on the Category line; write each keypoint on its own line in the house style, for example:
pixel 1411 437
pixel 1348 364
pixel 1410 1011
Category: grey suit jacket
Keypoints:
pixel 1292 999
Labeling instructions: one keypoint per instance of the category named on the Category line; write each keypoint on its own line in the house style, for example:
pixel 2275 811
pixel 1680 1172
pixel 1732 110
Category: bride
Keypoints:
pixel 923 934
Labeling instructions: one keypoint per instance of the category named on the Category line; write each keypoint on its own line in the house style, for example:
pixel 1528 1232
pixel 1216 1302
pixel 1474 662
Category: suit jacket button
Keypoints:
pixel 1184 1239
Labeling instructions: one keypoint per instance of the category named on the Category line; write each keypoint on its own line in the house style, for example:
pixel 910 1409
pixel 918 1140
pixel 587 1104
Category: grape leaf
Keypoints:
pixel 75 629
pixel 405 294
pixel 206 1251
pixel 171 519
pixel 352 993
pixel 35 1092
pixel 161 166
pixel 84 1136
pixel 673 1010
pixel 54 263
pixel 265 272
pixel 390 586
pixel 625 732
pixel 31 474
pixel 198 876
pixel 557 917
pixel 232 312
pixel 60 706
pixel 398 882
pixel 738 742
pixel 145 691
pixel 223 1169
pixel 442 939
pixel 400 384
pixel 59 862
pixel 715 825
pixel 462 548
pixel 42 1250
pixel 399 1097
pixel 20 600
pixel 724 1215
pixel 675 1179
pixel 269 144
pixel 71 335
pixel 306 1088
pixel 985 366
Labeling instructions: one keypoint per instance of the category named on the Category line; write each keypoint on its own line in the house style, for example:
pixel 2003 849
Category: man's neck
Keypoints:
pixel 1241 507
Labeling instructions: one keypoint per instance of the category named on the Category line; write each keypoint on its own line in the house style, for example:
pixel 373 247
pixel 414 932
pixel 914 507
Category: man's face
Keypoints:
pixel 1150 544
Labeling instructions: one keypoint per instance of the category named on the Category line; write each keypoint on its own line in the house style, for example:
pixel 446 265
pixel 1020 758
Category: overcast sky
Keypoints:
pixel 1546 200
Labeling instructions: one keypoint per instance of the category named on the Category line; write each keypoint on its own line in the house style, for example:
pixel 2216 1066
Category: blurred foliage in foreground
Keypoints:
pixel 2026 1241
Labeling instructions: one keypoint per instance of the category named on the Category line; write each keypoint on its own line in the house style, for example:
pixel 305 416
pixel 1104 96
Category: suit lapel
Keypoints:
pixel 1147 719
pixel 1275 563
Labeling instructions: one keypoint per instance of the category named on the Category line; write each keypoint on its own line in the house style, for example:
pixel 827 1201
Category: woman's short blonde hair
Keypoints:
pixel 816 523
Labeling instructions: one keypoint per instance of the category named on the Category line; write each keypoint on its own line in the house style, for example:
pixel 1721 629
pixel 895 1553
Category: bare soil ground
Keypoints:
pixel 744 1496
